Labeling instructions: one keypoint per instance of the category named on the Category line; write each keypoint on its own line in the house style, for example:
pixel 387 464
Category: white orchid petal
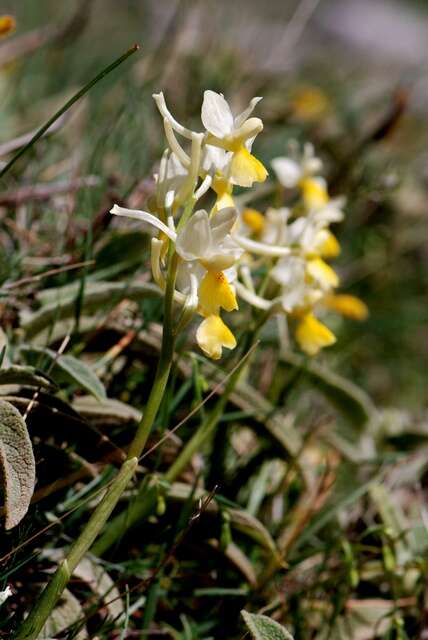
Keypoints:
pixel 173 143
pixel 220 261
pixel 195 240
pixel 240 119
pixel 188 186
pixel 253 299
pixel 161 105
pixel 203 187
pixel 221 224
pixel 144 216
pixel 4 595
pixel 169 199
pixel 247 131
pixel 290 272
pixel 155 258
pixel 216 115
pixel 215 159
pixel 175 169
pixel 247 278
pixel 261 248
pixel 287 171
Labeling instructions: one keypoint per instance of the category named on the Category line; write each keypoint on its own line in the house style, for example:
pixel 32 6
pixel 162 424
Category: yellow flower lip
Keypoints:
pixel 215 293
pixel 322 273
pixel 223 190
pixel 312 335
pixel 347 305
pixel 212 335
pixel 330 248
pixel 246 168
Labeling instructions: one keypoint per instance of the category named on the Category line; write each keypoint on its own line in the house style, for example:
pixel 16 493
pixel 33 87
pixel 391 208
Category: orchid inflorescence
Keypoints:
pixel 276 261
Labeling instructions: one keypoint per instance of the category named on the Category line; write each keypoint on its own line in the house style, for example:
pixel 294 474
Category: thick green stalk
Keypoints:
pixel 163 368
pixel 35 622
pixel 32 626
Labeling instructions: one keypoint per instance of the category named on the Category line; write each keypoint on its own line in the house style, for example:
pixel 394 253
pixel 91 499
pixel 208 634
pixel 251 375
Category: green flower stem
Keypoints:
pixel 163 368
pixel 146 499
pixel 33 625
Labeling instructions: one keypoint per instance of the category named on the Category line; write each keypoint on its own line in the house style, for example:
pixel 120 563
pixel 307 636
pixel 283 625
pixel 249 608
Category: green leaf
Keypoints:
pixel 83 375
pixel 69 368
pixel 17 464
pixel 263 628
pixel 279 428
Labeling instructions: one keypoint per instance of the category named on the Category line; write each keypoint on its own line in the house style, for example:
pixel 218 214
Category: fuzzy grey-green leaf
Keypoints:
pixel 264 628
pixel 25 376
pixel 82 374
pixel 17 464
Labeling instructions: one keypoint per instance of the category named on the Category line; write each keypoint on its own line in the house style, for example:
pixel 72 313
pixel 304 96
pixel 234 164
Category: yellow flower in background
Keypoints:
pixel 301 169
pixel 298 165
pixel 312 335
pixel 330 247
pixel 347 305
pixel 322 273
pixel 254 220
pixel 7 25
pixel 314 192
pixel 309 103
